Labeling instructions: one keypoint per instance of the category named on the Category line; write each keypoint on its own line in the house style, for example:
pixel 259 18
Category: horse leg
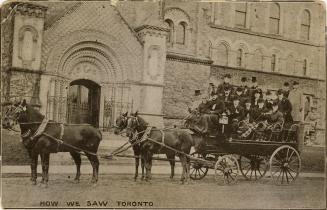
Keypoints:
pixel 142 166
pixel 147 165
pixel 45 168
pixel 172 165
pixel 34 159
pixel 137 161
pixel 182 158
pixel 77 159
pixel 95 165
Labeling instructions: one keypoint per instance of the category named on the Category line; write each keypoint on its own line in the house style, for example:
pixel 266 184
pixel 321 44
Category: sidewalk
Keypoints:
pixel 116 169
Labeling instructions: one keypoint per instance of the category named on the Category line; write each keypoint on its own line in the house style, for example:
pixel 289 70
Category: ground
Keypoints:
pixel 161 192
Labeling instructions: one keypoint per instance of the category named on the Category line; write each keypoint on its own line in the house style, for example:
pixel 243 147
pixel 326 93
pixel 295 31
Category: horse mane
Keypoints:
pixel 142 122
pixel 34 114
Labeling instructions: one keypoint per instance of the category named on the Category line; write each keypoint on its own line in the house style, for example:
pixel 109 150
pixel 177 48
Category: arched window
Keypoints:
pixel 240 14
pixel 222 54
pixel 170 37
pixel 273 62
pixel 274 19
pixel 258 59
pixel 180 33
pixel 305 66
pixel 305 25
pixel 239 55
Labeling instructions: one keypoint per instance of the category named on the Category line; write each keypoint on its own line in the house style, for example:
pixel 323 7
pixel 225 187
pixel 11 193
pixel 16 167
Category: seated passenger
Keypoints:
pixel 258 111
pixel 248 111
pixel 235 114
pixel 227 97
pixel 256 96
pixel 239 93
pixel 271 118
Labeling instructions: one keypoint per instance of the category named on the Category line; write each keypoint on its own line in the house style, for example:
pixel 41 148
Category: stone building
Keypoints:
pixel 78 58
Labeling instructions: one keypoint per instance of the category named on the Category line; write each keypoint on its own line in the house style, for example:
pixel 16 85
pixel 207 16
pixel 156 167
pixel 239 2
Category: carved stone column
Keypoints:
pixel 154 39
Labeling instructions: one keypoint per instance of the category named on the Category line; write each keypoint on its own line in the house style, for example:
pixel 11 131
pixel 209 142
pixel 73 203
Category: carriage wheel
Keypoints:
pixel 253 167
pixel 285 165
pixel 197 169
pixel 226 170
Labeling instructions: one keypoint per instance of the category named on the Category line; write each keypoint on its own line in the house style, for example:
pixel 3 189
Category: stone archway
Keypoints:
pixel 83 102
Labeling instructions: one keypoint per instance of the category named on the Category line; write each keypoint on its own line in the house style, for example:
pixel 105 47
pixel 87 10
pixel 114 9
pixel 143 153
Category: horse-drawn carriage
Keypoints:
pixel 278 150
pixel 228 156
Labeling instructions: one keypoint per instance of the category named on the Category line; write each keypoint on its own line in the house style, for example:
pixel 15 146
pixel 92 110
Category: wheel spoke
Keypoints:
pixel 292 170
pixel 290 174
pixel 276 161
pixel 202 171
pixel 193 171
pixel 247 171
pixel 282 176
pixel 286 177
pixel 289 158
pixel 255 174
pixel 279 174
pixel 260 173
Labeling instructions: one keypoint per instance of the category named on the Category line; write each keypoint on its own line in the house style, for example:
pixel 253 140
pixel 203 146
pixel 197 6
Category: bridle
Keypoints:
pixel 13 114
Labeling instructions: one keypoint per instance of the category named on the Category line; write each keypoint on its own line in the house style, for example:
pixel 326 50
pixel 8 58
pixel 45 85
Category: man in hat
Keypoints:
pixel 196 102
pixel 253 86
pixel 227 97
pixel 244 86
pixel 258 111
pixel 217 105
pixel 268 99
pixel 240 94
pixel 286 88
pixel 256 96
pixel 235 113
pixel 295 97
pixel 225 84
pixel 248 111
pixel 284 106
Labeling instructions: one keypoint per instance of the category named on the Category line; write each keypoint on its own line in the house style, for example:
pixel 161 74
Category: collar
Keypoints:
pixel 41 128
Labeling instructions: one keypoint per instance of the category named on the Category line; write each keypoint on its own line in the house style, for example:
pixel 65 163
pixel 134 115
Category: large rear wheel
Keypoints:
pixel 253 167
pixel 285 165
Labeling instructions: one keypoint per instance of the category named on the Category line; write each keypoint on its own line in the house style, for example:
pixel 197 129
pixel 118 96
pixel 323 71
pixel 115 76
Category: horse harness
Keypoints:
pixel 147 133
pixel 40 131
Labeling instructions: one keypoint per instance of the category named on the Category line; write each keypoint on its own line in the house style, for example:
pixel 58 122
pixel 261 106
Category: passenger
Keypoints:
pixel 268 101
pixel 226 84
pixel 284 106
pixel 227 97
pixel 248 111
pixel 217 105
pixel 244 87
pixel 258 112
pixel 256 97
pixel 271 118
pixel 240 94
pixel 286 89
pixel 196 102
pixel 295 98
pixel 235 114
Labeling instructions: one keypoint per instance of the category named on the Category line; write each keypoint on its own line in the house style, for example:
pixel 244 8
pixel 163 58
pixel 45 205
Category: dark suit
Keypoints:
pixel 218 106
pixel 222 87
pixel 236 112
pixel 275 117
pixel 285 107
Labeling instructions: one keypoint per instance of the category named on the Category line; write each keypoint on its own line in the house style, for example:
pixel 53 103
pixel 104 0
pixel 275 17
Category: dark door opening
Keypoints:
pixel 83 104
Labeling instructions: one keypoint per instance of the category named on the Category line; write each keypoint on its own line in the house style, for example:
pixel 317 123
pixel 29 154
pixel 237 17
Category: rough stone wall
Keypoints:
pixel 181 79
pixel 6 49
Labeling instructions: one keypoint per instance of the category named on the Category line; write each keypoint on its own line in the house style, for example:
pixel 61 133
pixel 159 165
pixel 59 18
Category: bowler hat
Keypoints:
pixel 286 84
pixel 254 79
pixel 197 92
pixel 243 79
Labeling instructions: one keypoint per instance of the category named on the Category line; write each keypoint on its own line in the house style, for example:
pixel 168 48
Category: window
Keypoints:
pixel 170 37
pixel 305 25
pixel 274 19
pixel 239 57
pixel 240 15
pixel 305 67
pixel 222 54
pixel 273 63
pixel 180 33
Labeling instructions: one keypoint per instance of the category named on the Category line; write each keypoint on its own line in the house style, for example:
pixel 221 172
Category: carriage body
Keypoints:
pixel 279 152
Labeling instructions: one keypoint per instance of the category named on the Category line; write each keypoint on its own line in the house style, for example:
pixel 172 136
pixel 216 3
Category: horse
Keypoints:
pixel 42 137
pixel 177 139
pixel 121 124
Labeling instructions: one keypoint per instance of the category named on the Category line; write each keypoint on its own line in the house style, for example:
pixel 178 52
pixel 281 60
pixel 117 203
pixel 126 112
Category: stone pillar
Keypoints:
pixel 27 41
pixel 154 39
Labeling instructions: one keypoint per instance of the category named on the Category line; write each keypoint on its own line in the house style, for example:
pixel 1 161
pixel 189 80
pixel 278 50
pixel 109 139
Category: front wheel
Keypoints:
pixel 226 170
pixel 197 169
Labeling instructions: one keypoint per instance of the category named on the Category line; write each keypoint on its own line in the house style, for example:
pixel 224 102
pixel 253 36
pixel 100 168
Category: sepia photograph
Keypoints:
pixel 174 104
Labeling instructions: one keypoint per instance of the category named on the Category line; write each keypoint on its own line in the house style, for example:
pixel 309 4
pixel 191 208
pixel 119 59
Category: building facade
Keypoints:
pixel 103 58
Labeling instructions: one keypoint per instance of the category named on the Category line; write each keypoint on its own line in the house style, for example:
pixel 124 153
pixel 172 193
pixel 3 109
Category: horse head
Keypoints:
pixel 14 113
pixel 121 123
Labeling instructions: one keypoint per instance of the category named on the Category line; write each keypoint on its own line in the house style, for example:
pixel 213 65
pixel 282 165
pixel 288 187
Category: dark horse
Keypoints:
pixel 121 124
pixel 178 139
pixel 42 137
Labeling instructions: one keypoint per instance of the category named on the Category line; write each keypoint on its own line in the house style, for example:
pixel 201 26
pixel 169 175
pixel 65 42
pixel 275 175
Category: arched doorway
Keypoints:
pixel 83 102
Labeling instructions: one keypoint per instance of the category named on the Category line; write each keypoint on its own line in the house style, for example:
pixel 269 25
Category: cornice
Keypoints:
pixel 188 59
pixel 157 28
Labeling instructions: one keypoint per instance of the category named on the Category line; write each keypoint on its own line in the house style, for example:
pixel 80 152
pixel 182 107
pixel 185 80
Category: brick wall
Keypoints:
pixel 181 79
